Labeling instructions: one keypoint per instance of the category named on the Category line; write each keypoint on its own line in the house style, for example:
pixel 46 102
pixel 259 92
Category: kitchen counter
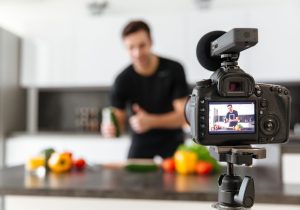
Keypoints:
pixel 100 182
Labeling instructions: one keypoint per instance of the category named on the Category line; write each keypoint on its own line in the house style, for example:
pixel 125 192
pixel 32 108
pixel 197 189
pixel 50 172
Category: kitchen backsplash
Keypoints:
pixel 71 109
pixel 79 109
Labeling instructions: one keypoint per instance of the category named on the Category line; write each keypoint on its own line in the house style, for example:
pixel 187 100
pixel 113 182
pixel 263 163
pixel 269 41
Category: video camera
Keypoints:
pixel 230 109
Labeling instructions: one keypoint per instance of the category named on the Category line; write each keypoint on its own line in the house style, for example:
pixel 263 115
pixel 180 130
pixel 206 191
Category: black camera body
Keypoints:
pixel 230 109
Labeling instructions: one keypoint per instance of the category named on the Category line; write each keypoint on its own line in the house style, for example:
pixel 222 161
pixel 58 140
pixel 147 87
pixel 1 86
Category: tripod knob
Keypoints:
pixel 246 193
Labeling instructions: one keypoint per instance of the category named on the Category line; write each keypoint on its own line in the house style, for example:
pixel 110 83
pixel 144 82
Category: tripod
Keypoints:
pixel 234 192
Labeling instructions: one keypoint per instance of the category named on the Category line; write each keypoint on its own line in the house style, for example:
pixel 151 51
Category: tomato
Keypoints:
pixel 203 168
pixel 168 165
pixel 79 164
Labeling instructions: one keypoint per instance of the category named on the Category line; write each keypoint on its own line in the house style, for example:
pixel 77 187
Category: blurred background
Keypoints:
pixel 59 58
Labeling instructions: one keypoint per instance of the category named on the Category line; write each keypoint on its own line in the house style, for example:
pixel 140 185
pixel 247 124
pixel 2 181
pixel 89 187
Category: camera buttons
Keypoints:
pixel 264 103
pixel 286 92
pixel 202 119
pixel 202 101
pixel 202 109
pixel 258 93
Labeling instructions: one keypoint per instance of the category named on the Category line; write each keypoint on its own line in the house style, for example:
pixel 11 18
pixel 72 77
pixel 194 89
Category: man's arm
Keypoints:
pixel 226 117
pixel 143 121
pixel 174 119
pixel 237 119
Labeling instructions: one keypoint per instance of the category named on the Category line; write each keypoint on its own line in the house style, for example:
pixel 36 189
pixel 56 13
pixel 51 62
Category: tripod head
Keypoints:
pixel 236 193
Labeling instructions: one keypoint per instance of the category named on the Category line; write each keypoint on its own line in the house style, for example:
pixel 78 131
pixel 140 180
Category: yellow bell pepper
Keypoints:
pixel 60 162
pixel 35 162
pixel 185 161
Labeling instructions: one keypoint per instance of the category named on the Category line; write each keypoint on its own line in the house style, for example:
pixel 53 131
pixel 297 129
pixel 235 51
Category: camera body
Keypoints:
pixel 230 109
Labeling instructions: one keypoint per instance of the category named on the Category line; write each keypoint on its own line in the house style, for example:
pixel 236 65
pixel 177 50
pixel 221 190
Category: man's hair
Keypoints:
pixel 229 105
pixel 135 26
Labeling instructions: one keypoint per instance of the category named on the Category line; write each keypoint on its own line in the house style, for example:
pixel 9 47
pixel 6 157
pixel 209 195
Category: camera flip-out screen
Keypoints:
pixel 231 117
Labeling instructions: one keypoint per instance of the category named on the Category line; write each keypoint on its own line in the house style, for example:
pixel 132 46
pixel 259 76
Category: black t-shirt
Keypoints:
pixel 154 94
pixel 232 116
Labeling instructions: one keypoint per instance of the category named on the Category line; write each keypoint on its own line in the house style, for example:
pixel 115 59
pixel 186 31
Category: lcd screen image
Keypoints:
pixel 231 117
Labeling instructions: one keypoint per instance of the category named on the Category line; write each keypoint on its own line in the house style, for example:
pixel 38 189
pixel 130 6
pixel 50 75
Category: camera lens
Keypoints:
pixel 269 125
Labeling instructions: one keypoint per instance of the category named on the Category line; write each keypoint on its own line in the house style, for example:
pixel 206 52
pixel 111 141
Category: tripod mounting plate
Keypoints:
pixel 239 155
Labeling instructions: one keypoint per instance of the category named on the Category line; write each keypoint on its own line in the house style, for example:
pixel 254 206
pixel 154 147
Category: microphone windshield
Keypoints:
pixel 209 62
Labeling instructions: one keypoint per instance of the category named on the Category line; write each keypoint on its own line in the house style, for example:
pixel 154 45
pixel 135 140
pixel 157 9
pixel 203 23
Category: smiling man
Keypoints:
pixel 155 89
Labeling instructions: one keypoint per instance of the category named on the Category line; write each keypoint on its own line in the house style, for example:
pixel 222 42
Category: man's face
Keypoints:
pixel 139 45
pixel 230 108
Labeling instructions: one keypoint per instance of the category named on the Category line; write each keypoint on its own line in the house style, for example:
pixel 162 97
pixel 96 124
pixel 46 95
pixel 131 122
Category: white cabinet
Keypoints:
pixel 88 51
pixel 290 169
pixel 276 56
pixel 99 52
pixel 48 54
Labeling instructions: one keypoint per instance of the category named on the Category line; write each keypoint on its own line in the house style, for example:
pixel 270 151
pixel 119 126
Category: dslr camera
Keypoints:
pixel 230 109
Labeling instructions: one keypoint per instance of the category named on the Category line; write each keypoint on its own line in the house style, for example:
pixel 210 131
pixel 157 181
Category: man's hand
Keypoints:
pixel 108 130
pixel 141 121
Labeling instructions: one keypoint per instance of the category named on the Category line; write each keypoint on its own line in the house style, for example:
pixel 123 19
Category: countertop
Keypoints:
pixel 100 182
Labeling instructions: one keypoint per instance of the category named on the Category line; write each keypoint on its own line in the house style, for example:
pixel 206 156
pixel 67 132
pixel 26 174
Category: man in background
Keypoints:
pixel 155 90
pixel 232 116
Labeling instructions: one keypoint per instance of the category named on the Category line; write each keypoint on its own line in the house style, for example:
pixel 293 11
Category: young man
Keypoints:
pixel 155 88
pixel 232 116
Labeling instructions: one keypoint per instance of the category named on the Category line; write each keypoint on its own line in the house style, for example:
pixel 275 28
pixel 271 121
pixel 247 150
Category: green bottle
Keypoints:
pixel 108 116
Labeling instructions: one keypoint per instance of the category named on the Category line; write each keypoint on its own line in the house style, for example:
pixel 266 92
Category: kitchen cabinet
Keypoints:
pixel 12 97
pixel 289 168
pixel 99 51
pixel 88 51
pixel 275 57
pixel 48 54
